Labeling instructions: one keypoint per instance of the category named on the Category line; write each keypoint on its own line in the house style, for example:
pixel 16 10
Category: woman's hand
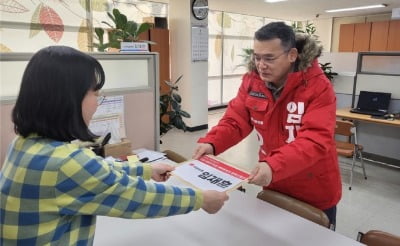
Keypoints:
pixel 213 201
pixel 161 171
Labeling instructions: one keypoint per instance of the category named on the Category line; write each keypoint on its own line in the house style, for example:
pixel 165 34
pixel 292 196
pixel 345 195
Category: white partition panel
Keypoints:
pixel 379 83
pixel 121 75
pixel 11 75
pixel 133 75
pixel 381 64
pixel 122 71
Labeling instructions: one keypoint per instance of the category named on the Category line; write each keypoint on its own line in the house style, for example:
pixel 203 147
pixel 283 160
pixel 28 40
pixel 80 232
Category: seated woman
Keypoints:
pixel 51 190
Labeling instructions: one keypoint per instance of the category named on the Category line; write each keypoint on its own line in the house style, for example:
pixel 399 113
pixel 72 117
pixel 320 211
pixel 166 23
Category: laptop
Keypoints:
pixel 372 103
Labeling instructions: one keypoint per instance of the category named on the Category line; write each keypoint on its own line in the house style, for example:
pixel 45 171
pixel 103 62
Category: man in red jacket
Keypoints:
pixel 290 103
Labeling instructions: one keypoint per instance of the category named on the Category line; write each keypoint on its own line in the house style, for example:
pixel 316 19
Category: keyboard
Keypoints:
pixel 369 112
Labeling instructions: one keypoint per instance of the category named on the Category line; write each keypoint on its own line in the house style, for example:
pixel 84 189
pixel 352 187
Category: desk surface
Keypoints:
pixel 244 220
pixel 345 113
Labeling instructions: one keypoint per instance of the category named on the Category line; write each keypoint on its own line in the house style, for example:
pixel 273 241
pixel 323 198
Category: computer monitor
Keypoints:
pixel 376 101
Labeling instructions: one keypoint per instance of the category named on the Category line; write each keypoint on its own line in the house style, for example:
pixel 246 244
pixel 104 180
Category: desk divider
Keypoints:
pixel 133 75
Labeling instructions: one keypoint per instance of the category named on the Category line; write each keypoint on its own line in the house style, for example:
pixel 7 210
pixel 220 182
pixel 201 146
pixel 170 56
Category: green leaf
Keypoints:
pixel 112 18
pixel 184 114
pixel 131 28
pixel 120 19
pixel 100 34
pixel 163 108
pixel 144 27
pixel 108 24
pixel 164 98
pixel 179 123
pixel 116 13
pixel 175 105
pixel 114 44
pixel 172 113
pixel 177 97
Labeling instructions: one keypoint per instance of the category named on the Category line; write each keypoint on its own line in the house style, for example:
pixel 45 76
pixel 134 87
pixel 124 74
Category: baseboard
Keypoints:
pixel 217 107
pixel 197 128
pixel 382 159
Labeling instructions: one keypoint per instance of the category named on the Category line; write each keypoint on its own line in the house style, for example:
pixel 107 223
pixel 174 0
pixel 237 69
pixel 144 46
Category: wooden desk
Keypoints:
pixel 345 113
pixel 244 220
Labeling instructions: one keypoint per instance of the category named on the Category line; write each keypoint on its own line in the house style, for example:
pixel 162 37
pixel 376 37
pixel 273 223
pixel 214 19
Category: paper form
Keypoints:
pixel 208 173
pixel 109 117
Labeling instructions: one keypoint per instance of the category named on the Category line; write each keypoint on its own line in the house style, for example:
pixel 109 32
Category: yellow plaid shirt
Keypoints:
pixel 51 192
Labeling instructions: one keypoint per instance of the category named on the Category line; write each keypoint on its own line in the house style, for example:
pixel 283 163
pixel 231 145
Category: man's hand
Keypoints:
pixel 261 175
pixel 203 149
pixel 161 171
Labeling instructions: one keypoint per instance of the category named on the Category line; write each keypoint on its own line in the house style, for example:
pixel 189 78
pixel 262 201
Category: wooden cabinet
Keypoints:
pixel 362 35
pixel 393 43
pixel 161 38
pixel 370 36
pixel 346 38
pixel 379 36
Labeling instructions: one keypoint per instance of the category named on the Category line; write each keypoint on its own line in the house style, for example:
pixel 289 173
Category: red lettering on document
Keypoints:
pixel 224 168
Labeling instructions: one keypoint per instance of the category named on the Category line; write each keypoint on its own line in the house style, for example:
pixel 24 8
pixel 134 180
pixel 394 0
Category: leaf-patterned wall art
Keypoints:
pixel 12 6
pixel 218 46
pixel 51 23
pixel 4 48
pixel 96 5
pixel 224 20
pixel 35 22
pixel 83 36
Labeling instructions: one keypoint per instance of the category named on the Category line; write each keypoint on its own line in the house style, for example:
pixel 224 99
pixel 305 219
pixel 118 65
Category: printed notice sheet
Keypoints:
pixel 109 117
pixel 209 173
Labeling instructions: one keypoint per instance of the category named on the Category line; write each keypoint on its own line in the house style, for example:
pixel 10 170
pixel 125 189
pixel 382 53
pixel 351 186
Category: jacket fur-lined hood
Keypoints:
pixel 308 49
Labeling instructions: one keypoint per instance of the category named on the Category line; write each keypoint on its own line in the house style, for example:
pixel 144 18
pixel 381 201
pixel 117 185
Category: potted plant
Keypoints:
pixel 327 68
pixel 171 112
pixel 122 30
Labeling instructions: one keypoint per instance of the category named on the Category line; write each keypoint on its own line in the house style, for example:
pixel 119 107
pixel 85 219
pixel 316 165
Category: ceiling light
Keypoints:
pixel 274 1
pixel 357 8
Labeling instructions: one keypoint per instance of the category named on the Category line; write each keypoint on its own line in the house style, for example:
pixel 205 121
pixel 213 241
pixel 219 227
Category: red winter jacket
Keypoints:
pixel 296 133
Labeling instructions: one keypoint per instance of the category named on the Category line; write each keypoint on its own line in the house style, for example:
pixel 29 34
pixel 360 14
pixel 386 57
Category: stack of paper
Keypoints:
pixel 151 155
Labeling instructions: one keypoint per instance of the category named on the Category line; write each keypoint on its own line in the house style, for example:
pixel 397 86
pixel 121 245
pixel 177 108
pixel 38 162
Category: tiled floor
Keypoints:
pixel 371 204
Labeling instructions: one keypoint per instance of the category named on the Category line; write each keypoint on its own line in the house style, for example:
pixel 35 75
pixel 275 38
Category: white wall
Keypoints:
pixel 193 86
pixel 324 31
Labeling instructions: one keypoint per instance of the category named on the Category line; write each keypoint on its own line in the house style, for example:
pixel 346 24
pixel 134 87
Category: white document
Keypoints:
pixel 109 117
pixel 149 154
pixel 209 173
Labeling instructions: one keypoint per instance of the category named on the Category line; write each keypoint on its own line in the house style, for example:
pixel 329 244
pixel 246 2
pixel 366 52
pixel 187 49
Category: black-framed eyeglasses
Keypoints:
pixel 266 59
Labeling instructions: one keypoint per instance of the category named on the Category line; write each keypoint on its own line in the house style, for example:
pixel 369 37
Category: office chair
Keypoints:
pixel 348 148
pixel 295 206
pixel 378 238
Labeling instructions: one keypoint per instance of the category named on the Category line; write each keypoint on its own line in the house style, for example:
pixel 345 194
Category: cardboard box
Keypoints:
pixel 119 149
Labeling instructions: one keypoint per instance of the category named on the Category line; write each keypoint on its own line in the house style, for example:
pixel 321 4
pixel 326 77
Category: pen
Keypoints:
pixel 158 159
pixel 144 159
pixel 106 139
